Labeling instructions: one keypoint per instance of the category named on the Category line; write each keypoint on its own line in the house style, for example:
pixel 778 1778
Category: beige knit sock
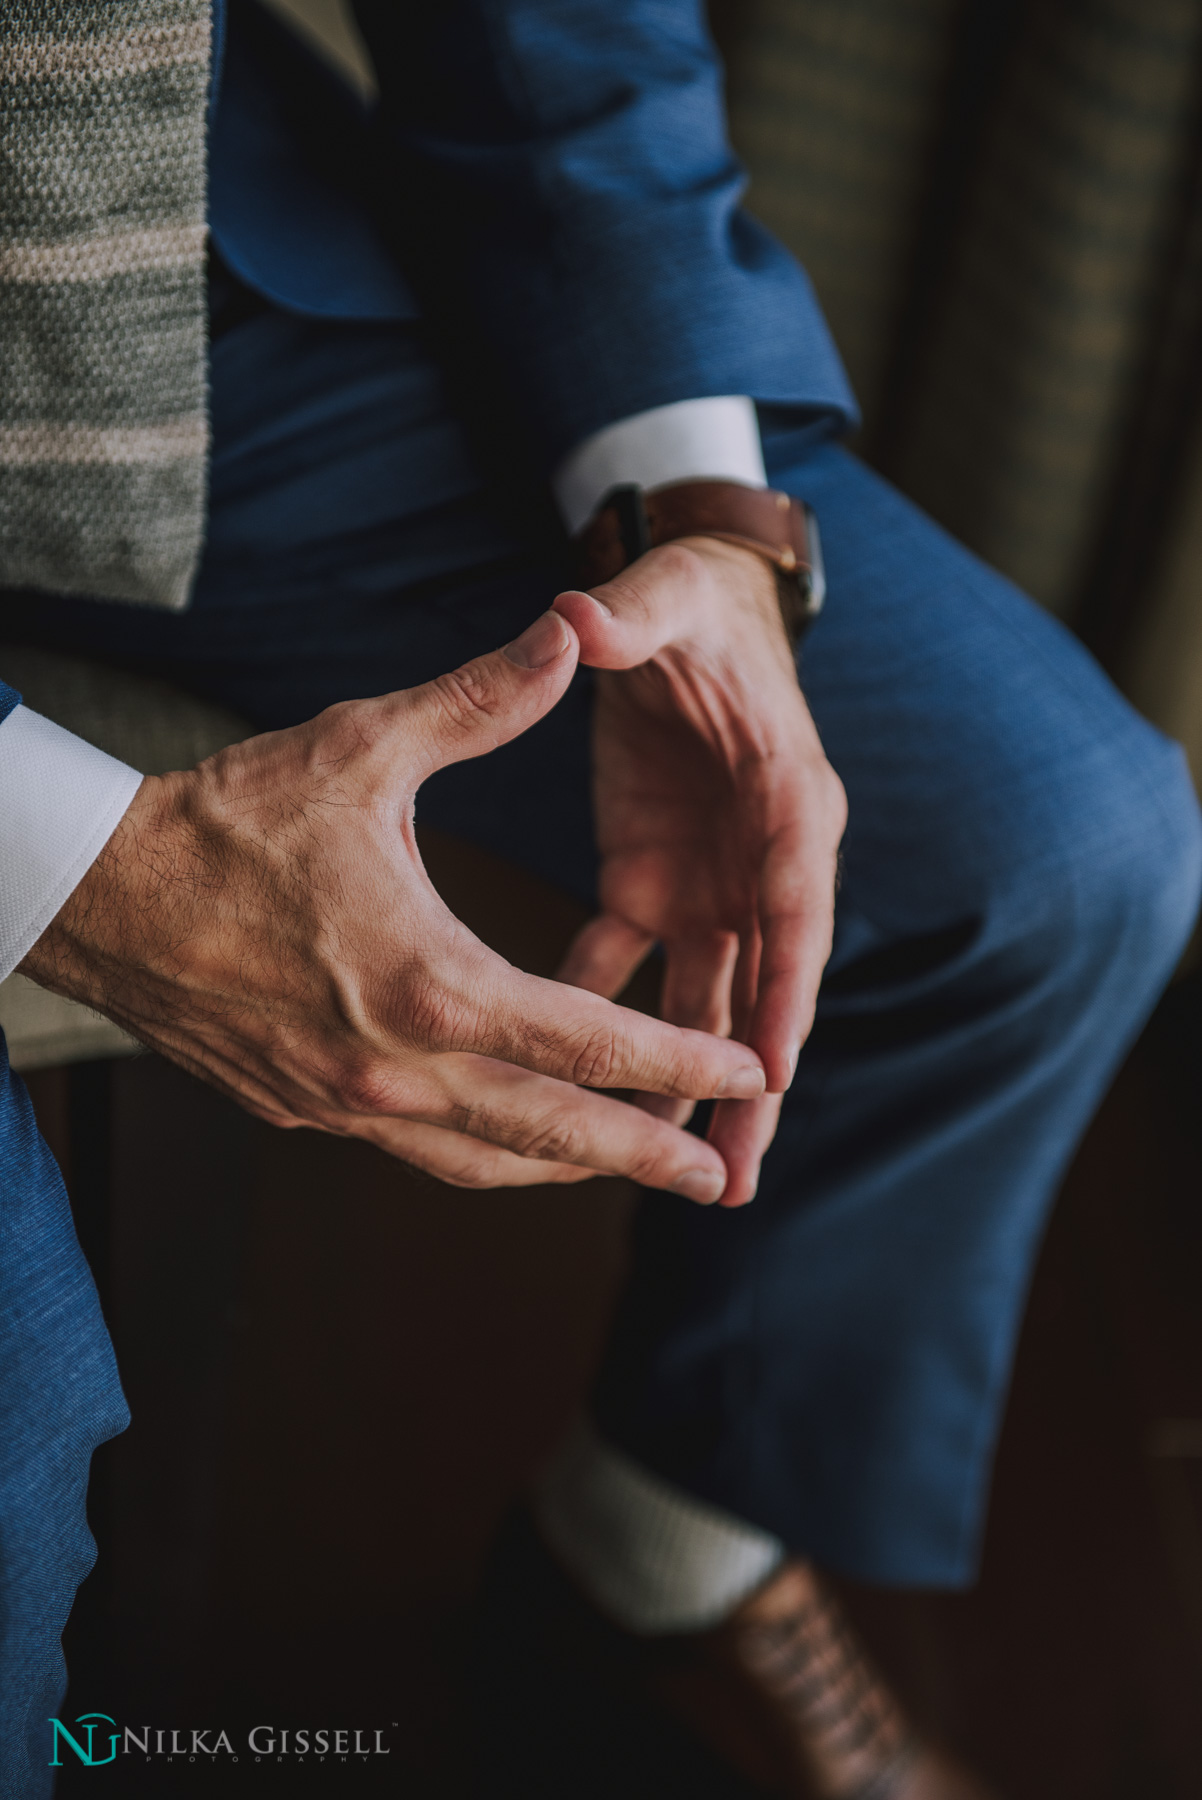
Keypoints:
pixel 646 1553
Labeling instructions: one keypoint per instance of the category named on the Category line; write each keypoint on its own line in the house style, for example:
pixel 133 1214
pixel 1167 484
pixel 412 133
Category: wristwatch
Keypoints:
pixel 776 526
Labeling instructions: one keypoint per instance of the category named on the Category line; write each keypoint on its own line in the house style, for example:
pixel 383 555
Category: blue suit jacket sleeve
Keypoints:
pixel 579 197
pixel 9 698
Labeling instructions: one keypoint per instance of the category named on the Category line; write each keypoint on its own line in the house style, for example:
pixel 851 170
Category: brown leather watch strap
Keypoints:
pixel 772 524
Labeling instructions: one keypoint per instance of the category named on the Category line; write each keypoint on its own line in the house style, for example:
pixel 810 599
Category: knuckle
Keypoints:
pixel 540 1137
pixel 598 1058
pixel 465 695
pixel 531 1132
pixel 552 1142
pixel 677 562
pixel 470 1172
pixel 640 585
pixel 365 1084
pixel 344 731
pixel 436 1019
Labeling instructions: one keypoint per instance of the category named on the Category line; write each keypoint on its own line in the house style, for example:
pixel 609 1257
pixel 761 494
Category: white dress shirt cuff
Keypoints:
pixel 715 439
pixel 61 799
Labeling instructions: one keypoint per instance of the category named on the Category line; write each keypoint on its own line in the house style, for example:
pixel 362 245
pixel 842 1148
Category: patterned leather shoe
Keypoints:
pixel 784 1691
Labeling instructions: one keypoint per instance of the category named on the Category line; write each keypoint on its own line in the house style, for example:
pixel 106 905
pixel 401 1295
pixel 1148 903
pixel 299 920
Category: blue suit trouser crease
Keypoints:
pixel 1022 870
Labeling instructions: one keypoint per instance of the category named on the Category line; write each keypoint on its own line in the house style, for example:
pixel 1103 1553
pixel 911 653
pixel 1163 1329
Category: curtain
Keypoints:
pixel 1001 206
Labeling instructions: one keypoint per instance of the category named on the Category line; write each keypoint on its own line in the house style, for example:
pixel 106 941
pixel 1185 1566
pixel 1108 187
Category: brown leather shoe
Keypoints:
pixel 785 1693
pixel 782 1696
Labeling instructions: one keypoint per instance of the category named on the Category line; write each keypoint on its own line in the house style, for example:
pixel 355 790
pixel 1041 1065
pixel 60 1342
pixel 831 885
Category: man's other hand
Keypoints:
pixel 718 815
pixel 265 920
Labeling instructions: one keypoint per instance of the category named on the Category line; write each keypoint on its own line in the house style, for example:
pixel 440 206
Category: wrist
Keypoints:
pixel 775 527
pixel 732 612
pixel 743 574
pixel 101 915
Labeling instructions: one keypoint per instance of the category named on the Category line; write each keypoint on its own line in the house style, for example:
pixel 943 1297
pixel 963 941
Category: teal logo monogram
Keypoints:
pixel 88 1722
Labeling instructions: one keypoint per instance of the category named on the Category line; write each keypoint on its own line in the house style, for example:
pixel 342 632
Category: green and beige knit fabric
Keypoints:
pixel 103 425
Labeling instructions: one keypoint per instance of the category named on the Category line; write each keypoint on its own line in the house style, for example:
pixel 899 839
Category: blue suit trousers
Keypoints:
pixel 1021 872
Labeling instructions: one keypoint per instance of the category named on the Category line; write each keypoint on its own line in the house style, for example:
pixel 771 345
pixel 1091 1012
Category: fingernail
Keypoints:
pixel 742 1084
pixel 701 1185
pixel 793 1062
pixel 583 594
pixel 540 643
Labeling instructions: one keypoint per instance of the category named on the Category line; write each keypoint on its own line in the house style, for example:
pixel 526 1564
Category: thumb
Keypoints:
pixel 650 604
pixel 491 699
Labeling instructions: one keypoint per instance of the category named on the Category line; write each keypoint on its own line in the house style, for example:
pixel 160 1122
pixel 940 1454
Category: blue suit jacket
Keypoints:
pixel 547 181
pixel 551 177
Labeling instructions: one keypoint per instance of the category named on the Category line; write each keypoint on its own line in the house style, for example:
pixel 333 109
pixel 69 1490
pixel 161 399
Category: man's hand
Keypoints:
pixel 266 921
pixel 719 817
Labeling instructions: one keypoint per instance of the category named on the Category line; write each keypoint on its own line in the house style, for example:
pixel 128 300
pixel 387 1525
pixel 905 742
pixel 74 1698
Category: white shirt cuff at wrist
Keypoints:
pixel 61 799
pixel 715 439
